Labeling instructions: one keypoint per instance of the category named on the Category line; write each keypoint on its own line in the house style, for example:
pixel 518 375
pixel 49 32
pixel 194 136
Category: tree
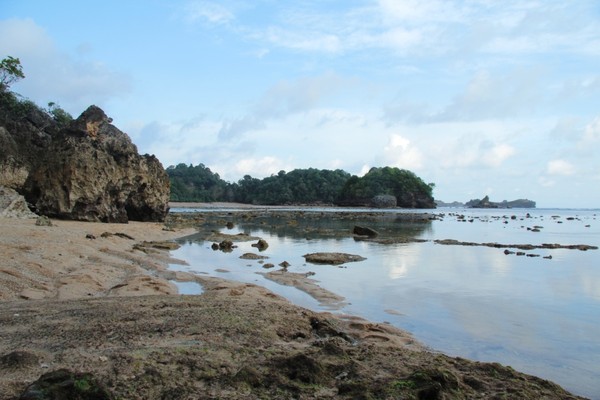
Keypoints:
pixel 10 72
pixel 61 117
pixel 409 189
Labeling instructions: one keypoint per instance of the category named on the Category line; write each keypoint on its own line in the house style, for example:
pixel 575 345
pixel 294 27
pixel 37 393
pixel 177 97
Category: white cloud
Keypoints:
pixel 53 75
pixel 214 13
pixel 495 96
pixel 400 153
pixel 288 97
pixel 546 182
pixel 260 167
pixel 419 10
pixel 560 167
pixel 591 132
pixel 306 41
pixel 285 98
pixel 496 155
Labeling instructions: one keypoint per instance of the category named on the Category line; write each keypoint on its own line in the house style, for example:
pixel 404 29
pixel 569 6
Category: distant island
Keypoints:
pixel 486 203
pixel 385 187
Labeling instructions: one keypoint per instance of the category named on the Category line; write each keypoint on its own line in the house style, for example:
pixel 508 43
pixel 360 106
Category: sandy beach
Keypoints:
pixel 95 301
pixel 71 259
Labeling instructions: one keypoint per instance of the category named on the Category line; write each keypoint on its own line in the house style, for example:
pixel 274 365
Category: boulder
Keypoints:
pixel 261 245
pixel 364 231
pixel 65 384
pixel 384 201
pixel 13 205
pixel 92 171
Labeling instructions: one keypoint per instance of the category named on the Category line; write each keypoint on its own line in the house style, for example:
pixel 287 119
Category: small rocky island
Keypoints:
pixel 486 203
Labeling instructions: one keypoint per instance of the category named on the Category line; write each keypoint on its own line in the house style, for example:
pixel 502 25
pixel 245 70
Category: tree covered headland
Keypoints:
pixel 301 186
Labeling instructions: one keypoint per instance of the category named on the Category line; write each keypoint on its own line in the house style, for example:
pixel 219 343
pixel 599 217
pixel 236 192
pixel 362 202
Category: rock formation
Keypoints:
pixel 384 201
pixel 13 205
pixel 89 170
pixel 486 203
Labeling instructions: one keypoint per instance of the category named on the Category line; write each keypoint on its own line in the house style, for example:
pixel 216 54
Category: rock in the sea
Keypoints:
pixel 364 231
pixel 252 256
pixel 332 258
pixel 92 171
pixel 261 244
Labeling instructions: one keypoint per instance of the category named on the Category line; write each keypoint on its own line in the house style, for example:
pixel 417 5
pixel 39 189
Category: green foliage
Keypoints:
pixel 300 186
pixel 15 107
pixel 10 72
pixel 401 183
pixel 59 115
pixel 199 183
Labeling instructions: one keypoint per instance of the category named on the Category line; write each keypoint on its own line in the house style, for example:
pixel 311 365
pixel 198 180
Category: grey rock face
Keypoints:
pixel 87 171
pixel 92 171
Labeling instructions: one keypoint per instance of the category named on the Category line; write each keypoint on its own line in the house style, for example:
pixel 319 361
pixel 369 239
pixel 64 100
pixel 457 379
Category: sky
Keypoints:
pixel 480 97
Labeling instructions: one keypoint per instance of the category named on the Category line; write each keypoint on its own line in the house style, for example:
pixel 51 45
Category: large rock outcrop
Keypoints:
pixel 89 170
pixel 92 171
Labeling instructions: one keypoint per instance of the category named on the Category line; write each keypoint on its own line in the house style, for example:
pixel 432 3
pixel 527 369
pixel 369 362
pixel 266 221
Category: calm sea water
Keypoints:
pixel 538 315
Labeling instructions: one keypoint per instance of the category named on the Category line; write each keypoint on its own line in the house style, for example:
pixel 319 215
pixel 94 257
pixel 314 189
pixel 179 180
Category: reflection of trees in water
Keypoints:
pixel 320 225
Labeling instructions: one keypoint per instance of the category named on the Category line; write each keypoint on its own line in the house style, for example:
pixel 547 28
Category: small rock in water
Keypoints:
pixel 261 244
pixel 364 231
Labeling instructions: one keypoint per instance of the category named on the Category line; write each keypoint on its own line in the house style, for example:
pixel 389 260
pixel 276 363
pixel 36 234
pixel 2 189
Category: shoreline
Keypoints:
pixel 90 284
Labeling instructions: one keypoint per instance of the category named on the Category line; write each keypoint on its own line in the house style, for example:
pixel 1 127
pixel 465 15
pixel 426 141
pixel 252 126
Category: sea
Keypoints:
pixel 538 312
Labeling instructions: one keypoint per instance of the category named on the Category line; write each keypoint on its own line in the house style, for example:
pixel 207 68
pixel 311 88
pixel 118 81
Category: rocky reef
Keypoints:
pixel 87 170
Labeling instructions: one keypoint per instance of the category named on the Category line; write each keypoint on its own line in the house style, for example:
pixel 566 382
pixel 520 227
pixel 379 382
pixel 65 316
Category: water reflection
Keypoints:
pixel 537 315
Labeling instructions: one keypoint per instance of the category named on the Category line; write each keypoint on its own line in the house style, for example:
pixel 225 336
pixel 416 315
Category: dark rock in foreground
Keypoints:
pixel 64 384
pixel 91 171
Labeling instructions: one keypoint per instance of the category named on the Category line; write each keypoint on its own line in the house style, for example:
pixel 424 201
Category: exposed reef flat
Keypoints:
pixel 235 340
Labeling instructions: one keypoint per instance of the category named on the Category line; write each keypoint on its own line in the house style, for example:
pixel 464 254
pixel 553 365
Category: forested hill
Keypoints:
pixel 302 186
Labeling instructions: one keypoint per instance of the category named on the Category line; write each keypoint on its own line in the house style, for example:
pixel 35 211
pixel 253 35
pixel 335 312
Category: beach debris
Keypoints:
pixel 332 258
pixel 268 265
pixel 90 236
pixel 284 264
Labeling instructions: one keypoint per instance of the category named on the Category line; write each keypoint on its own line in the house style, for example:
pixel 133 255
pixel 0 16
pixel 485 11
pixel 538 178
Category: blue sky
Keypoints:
pixel 479 97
